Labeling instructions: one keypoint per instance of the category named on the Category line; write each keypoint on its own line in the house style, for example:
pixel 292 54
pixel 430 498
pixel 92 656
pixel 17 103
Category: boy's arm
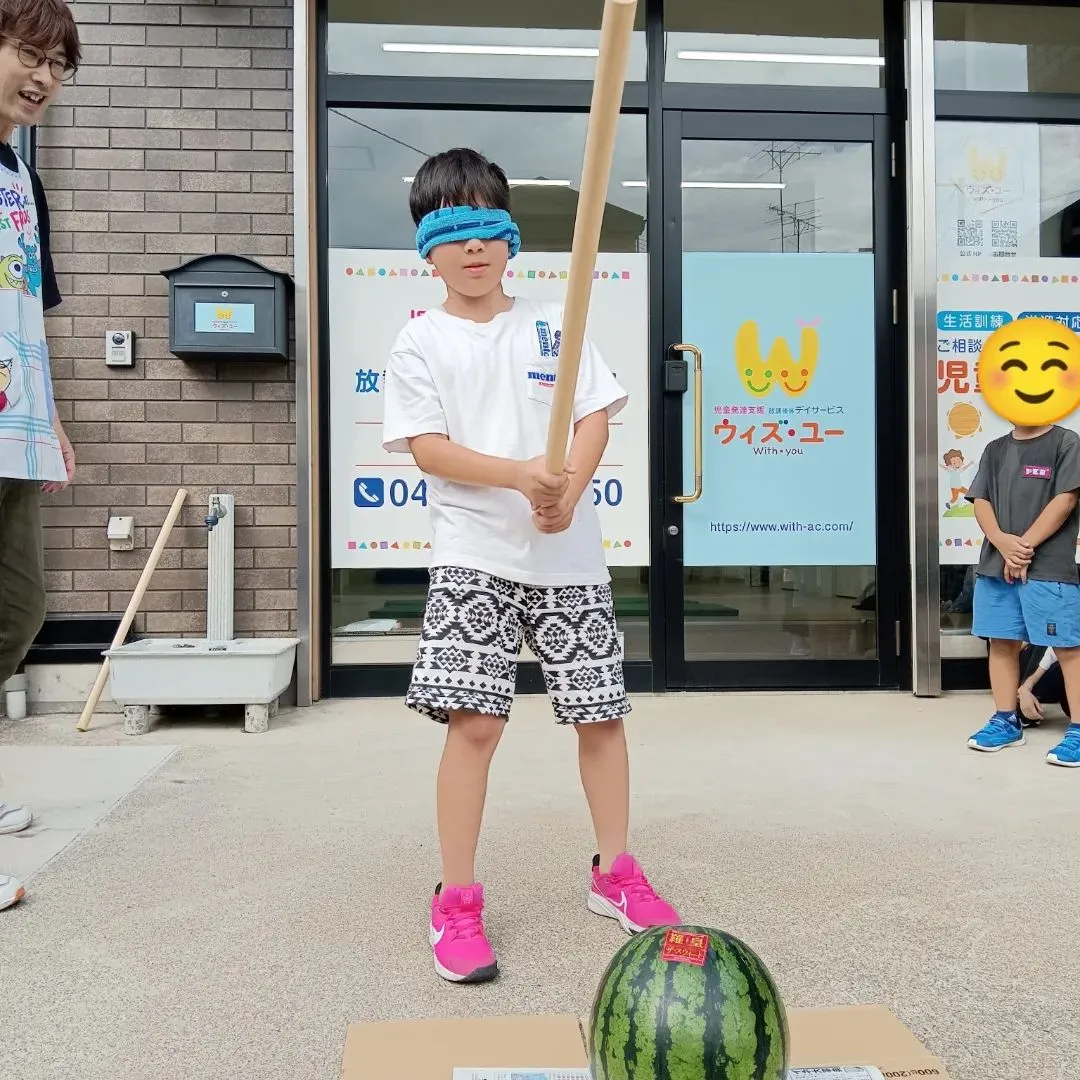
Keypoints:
pixel 1015 550
pixel 587 448
pixel 414 422
pixel 1051 519
pixel 988 522
pixel 597 398
pixel 590 441
pixel 438 456
pixel 1066 481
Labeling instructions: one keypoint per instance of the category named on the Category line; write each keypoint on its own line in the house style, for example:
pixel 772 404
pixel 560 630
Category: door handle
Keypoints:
pixel 696 353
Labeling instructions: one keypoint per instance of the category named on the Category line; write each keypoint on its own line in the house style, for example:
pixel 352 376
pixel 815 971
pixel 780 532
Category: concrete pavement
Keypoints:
pixel 233 901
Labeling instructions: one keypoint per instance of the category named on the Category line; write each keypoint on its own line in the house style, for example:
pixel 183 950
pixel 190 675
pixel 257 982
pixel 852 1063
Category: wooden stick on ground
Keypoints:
pixel 133 607
pixel 616 33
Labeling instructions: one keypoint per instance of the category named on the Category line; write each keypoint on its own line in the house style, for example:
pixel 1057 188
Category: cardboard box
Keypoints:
pixel 430 1049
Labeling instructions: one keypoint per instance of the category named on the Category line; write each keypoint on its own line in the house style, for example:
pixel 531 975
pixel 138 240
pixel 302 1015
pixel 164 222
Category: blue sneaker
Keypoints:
pixel 1067 752
pixel 1002 730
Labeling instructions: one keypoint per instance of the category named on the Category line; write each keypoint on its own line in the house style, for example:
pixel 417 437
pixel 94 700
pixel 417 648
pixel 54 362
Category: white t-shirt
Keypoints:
pixel 488 387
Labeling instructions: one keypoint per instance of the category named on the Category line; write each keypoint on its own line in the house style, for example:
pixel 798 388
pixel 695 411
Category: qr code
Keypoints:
pixel 1003 235
pixel 969 233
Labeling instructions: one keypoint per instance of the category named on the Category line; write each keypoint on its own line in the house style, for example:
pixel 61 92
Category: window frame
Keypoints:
pixel 651 98
pixel 967 104
pixel 990 106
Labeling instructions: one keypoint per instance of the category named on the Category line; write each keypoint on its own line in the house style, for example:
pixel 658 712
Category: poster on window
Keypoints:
pixel 378 502
pixel 788 347
pixel 972 303
pixel 987 191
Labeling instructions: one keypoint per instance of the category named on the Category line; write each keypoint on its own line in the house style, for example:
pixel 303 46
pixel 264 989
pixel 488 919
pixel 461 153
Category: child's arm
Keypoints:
pixel 597 398
pixel 1006 544
pixel 1051 519
pixel 1066 485
pixel 437 456
pixel 1028 701
pixel 415 423
pixel 1015 550
pixel 588 446
pixel 590 441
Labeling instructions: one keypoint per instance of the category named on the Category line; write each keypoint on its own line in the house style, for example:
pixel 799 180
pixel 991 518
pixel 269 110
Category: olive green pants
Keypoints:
pixel 22 573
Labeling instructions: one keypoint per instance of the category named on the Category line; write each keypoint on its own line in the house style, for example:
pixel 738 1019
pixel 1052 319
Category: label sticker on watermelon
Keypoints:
pixel 682 948
pixel 842 1072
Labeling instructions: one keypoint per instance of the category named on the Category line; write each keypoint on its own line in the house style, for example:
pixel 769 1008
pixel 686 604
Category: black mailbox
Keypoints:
pixel 228 307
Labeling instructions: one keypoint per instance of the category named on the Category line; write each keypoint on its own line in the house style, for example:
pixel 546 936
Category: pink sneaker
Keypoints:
pixel 461 948
pixel 625 894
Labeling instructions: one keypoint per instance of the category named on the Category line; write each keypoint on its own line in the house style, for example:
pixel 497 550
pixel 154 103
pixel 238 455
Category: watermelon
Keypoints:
pixel 687 1003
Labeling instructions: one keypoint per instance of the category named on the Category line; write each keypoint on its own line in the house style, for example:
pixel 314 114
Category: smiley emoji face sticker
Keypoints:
pixel 1029 372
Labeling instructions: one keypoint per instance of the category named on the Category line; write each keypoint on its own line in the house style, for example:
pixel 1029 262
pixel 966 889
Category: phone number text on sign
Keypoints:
pixel 407 498
pixel 372 492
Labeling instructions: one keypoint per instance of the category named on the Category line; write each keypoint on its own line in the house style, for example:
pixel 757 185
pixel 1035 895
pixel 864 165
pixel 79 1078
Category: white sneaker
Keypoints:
pixel 11 891
pixel 14 818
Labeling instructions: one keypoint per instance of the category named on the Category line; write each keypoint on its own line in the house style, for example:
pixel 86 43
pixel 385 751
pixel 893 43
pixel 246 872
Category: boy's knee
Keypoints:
pixel 601 730
pixel 482 732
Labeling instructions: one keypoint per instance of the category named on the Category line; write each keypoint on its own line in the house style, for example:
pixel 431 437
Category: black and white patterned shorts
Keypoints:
pixel 473 629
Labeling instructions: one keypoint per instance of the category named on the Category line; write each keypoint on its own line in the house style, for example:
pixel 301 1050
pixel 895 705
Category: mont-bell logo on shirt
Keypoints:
pixel 1037 472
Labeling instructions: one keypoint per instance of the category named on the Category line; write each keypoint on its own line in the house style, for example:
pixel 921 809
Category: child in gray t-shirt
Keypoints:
pixel 1027 587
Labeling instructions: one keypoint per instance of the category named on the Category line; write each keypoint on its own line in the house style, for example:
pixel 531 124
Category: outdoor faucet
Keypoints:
pixel 217 512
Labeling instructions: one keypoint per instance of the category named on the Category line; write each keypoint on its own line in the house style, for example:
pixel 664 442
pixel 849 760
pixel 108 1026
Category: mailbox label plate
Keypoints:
pixel 224 317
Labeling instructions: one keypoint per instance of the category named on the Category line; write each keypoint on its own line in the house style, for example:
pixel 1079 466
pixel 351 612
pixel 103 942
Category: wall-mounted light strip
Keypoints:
pixel 716 185
pixel 518 183
pixel 780 58
pixel 489 50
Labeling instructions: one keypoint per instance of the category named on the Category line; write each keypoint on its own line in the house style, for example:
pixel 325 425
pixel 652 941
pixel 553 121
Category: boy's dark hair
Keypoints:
pixel 46 24
pixel 458 177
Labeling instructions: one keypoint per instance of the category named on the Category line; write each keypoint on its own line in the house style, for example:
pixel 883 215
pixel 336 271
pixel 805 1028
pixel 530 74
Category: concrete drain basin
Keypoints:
pixel 253 672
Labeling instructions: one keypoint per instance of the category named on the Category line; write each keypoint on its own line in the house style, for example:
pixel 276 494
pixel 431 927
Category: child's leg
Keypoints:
pixel 605 776
pixel 464 677
pixel 1054 612
pixel 462 790
pixel 572 633
pixel 1069 661
pixel 1005 674
pixel 998 616
pixel 1067 752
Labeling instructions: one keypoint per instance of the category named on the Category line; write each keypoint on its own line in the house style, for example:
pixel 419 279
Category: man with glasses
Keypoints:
pixel 39 50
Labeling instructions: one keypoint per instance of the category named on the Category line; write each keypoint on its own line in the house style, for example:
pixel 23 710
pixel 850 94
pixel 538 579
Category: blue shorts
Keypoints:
pixel 1039 612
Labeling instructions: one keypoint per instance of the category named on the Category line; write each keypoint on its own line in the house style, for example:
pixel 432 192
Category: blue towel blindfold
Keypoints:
pixel 460 223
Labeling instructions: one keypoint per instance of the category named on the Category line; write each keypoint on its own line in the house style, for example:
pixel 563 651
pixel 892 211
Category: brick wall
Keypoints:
pixel 173 141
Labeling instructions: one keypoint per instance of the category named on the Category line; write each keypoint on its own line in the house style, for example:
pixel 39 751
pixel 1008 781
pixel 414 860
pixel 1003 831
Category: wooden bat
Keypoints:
pixel 616 33
pixel 133 607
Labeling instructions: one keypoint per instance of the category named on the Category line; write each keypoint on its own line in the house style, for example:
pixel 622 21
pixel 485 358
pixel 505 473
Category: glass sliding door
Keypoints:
pixel 780 538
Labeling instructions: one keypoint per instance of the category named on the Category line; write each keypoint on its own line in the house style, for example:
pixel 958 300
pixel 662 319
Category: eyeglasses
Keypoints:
pixel 32 57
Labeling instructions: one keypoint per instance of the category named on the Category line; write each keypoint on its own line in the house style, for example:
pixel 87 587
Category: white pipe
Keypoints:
pixel 220 570
pixel 15 697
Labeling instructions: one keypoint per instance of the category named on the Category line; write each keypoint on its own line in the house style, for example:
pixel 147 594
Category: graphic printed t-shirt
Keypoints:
pixel 488 387
pixel 1019 478
pixel 29 448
